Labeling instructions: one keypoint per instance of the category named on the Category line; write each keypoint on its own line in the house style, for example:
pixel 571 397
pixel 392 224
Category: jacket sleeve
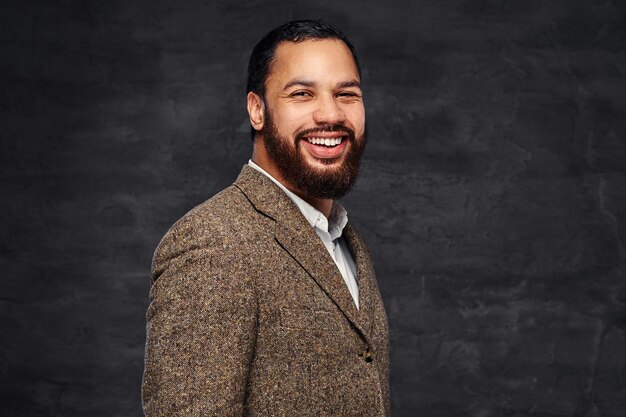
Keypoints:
pixel 201 326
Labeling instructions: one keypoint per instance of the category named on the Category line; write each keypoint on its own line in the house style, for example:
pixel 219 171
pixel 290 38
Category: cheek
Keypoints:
pixel 356 117
pixel 295 119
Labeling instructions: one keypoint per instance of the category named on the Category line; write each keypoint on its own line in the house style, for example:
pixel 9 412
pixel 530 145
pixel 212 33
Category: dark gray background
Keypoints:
pixel 493 191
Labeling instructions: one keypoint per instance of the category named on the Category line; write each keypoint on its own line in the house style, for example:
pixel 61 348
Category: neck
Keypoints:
pixel 324 205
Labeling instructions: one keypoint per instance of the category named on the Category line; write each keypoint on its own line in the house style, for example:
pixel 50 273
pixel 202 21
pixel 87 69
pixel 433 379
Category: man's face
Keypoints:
pixel 314 130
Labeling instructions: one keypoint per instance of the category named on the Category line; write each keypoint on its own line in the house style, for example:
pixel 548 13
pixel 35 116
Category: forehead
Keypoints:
pixel 317 59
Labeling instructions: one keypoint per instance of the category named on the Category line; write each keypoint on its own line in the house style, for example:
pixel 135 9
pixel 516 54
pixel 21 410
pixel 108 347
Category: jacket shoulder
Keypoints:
pixel 221 222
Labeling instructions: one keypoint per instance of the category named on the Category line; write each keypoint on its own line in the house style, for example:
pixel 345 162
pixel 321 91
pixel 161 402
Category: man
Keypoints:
pixel 264 300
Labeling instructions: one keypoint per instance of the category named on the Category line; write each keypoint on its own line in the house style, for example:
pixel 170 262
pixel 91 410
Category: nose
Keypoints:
pixel 328 111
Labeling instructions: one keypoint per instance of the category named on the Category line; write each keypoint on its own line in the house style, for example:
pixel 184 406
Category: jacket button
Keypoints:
pixel 368 355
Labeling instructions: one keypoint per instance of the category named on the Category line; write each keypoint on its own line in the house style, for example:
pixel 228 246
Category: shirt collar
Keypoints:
pixel 338 217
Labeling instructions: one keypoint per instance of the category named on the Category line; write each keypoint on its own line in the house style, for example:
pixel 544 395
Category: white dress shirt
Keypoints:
pixel 329 230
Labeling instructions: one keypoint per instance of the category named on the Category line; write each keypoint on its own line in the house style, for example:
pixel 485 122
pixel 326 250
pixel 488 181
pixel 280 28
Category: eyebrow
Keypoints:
pixel 306 83
pixel 352 83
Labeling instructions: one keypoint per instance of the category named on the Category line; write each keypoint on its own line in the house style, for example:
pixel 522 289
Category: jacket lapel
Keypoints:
pixel 299 239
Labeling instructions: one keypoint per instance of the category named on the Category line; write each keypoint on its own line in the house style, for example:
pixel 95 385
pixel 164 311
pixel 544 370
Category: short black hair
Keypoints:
pixel 295 31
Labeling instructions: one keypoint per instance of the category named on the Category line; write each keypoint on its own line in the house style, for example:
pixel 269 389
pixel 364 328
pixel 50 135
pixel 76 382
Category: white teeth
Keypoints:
pixel 325 142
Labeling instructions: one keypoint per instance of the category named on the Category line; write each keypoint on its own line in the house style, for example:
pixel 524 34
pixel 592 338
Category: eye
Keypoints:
pixel 300 94
pixel 348 94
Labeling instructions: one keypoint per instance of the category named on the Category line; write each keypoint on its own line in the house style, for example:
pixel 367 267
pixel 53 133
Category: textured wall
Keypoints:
pixel 493 192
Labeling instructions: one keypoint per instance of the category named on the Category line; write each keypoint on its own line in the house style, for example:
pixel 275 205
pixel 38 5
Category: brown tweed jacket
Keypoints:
pixel 249 315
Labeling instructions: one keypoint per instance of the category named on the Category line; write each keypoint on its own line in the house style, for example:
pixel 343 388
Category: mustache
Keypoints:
pixel 326 128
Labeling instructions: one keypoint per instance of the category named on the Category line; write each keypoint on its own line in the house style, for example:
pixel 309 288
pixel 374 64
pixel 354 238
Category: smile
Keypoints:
pixel 325 141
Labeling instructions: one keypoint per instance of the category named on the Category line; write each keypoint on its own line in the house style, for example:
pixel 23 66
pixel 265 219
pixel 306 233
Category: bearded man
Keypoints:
pixel 264 300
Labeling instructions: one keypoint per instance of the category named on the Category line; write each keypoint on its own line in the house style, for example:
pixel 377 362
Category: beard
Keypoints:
pixel 333 180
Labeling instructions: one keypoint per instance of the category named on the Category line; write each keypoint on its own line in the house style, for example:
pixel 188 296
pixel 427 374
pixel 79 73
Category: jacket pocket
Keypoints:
pixel 308 319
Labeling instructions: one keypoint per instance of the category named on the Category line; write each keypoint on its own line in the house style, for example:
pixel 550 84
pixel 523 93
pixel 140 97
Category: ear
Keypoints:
pixel 256 110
